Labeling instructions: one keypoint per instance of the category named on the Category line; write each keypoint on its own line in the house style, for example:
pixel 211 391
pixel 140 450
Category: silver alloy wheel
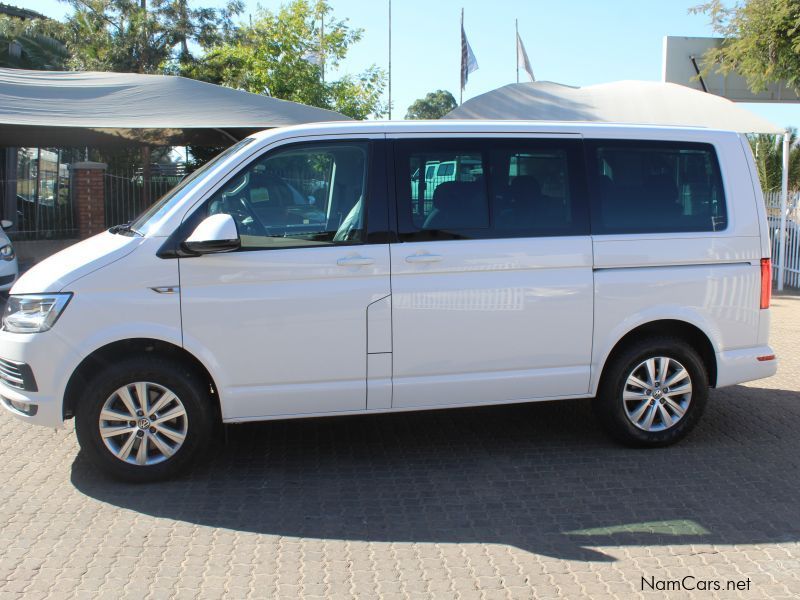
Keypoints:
pixel 657 393
pixel 143 423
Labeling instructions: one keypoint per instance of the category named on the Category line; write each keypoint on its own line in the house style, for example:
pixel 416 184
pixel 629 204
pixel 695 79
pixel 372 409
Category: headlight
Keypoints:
pixel 33 313
pixel 7 252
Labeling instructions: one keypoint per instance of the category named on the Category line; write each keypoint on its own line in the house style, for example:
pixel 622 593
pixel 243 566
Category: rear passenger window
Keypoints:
pixel 655 187
pixel 537 189
pixel 490 188
pixel 451 200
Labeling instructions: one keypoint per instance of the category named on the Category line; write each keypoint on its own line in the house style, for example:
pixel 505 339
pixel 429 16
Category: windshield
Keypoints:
pixel 144 222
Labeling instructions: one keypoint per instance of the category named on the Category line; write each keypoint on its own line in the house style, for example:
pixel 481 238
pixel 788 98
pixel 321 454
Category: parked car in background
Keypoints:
pixel 627 264
pixel 9 268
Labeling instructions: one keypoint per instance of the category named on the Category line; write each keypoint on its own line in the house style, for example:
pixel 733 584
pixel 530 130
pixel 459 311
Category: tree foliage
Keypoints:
pixel 761 41
pixel 282 54
pixel 132 36
pixel 434 105
pixel 768 152
pixel 32 44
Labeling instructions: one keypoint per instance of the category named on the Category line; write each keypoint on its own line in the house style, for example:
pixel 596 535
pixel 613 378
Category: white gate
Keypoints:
pixel 791 260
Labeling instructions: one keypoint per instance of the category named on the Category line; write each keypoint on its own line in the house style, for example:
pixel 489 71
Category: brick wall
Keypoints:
pixel 89 197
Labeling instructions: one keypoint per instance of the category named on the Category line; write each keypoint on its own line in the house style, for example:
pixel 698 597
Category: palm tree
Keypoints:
pixel 768 152
pixel 31 43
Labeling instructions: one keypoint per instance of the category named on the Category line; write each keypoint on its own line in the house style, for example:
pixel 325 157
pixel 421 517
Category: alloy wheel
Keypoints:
pixel 143 423
pixel 657 393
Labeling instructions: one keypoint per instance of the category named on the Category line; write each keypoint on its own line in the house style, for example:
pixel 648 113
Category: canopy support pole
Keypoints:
pixel 784 202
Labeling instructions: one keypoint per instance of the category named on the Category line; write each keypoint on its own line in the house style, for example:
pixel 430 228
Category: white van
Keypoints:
pixel 625 264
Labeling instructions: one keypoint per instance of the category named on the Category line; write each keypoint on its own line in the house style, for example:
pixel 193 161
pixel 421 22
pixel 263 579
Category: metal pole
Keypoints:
pixel 321 50
pixel 37 201
pixel 461 93
pixel 784 199
pixel 390 60
pixel 516 45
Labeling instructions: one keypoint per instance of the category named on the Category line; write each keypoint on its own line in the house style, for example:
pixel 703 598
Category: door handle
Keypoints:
pixel 424 258
pixel 355 261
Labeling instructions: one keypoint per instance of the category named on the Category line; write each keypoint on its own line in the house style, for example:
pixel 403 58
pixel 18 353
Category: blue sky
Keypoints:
pixel 576 42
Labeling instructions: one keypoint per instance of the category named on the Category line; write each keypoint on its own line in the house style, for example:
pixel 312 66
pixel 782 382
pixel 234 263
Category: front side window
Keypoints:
pixel 655 187
pixel 303 195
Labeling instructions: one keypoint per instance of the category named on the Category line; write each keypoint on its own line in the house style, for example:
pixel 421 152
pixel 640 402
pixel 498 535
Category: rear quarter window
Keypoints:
pixel 655 187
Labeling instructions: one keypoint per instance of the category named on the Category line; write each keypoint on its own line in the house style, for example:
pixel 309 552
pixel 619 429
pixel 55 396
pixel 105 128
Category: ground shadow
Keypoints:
pixel 541 477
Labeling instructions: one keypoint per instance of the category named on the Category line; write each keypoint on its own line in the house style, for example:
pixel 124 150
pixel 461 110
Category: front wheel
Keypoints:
pixel 652 393
pixel 144 419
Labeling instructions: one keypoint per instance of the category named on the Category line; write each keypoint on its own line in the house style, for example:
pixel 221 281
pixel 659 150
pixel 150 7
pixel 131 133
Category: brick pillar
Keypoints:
pixel 89 197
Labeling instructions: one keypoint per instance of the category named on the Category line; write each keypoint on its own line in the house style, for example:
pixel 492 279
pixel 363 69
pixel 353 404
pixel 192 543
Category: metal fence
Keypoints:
pixel 129 193
pixel 791 259
pixel 43 211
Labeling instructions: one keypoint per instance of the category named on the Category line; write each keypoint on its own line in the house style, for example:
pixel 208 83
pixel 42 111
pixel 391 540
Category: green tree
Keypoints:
pixel 32 43
pixel 284 55
pixel 134 36
pixel 768 152
pixel 761 41
pixel 434 105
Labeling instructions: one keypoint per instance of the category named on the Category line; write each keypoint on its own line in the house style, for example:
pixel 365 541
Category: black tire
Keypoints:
pixel 187 385
pixel 610 408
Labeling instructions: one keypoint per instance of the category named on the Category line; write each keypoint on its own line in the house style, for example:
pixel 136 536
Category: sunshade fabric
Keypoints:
pixel 639 102
pixel 53 107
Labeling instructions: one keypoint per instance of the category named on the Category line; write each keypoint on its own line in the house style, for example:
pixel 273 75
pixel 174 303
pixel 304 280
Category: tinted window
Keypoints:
pixel 451 202
pixel 490 189
pixel 652 187
pixel 537 188
pixel 299 196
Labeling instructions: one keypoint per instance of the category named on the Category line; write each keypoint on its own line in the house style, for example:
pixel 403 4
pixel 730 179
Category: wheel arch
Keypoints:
pixel 119 350
pixel 676 328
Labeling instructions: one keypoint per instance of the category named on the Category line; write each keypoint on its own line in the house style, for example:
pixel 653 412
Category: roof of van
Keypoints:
pixel 488 127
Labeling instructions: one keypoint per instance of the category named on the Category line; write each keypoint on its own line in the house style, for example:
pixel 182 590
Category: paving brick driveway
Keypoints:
pixel 513 502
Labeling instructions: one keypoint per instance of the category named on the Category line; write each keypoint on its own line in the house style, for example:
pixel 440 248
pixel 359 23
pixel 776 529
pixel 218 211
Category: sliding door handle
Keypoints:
pixel 424 258
pixel 355 261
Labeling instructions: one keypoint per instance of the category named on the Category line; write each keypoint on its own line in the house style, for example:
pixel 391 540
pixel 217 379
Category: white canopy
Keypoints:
pixel 639 102
pixel 52 107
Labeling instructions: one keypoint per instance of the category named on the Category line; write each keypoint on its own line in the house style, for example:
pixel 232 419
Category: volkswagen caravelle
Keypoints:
pixel 309 271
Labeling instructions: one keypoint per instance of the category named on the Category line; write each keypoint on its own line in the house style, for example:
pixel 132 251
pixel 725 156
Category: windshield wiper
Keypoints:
pixel 124 229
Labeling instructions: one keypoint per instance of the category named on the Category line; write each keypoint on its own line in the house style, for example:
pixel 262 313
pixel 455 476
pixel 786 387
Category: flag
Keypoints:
pixel 522 59
pixel 313 57
pixel 468 61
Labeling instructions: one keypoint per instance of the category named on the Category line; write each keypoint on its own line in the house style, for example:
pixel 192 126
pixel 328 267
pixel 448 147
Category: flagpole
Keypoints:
pixel 321 48
pixel 516 45
pixel 461 93
pixel 390 60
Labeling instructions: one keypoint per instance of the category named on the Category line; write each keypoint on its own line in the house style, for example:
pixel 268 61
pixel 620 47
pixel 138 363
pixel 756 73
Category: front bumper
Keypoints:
pixel 50 360
pixel 9 273
pixel 41 409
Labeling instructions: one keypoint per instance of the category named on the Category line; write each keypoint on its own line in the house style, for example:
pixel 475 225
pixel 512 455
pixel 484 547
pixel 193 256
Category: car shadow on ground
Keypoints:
pixel 540 477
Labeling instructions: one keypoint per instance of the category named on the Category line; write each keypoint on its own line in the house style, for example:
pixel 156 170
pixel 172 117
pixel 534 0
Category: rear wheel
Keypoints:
pixel 144 419
pixel 653 392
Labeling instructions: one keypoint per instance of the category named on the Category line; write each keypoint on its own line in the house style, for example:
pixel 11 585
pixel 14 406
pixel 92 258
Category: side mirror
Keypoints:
pixel 215 234
pixel 6 224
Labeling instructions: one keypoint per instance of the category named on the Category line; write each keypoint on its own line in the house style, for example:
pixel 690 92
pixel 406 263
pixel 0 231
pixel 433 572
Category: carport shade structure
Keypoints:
pixel 73 108
pixel 634 102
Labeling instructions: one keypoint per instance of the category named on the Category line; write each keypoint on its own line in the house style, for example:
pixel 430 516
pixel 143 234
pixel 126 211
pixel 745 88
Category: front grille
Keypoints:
pixel 6 279
pixel 17 375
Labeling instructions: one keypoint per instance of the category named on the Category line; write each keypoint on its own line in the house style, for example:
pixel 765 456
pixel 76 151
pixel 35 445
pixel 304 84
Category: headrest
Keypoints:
pixel 525 187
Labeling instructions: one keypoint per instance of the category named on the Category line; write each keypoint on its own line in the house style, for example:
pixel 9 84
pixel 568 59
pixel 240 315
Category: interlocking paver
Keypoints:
pixel 513 502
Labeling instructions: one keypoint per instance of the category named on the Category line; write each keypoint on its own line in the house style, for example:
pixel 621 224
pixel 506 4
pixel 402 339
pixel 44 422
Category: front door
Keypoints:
pixel 283 321
pixel 492 278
